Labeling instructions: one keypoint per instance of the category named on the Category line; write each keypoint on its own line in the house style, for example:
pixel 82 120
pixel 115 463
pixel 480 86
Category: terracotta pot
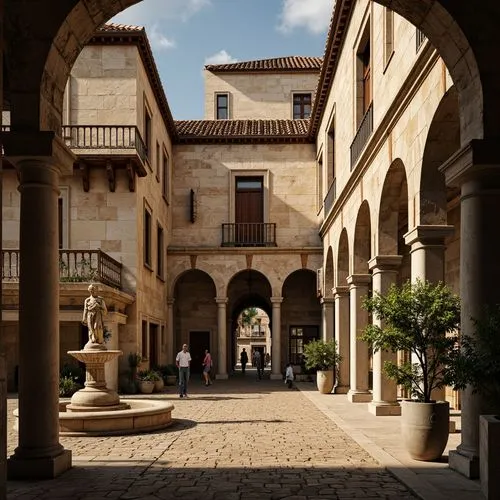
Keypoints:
pixel 425 428
pixel 324 381
pixel 146 386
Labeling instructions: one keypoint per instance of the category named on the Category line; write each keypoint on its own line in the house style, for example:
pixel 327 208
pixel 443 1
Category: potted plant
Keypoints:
pixel 158 380
pixel 146 381
pixel 324 358
pixel 422 319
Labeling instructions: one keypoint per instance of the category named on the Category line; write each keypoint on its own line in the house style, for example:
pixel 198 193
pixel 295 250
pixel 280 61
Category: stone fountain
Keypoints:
pixel 96 410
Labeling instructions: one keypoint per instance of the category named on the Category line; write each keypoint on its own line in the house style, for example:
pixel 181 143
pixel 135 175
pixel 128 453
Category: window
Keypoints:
pixel 367 93
pixel 153 344
pixel 160 249
pixel 144 339
pixel 147 237
pixel 222 106
pixel 166 174
pixel 148 131
pixel 320 182
pixel 299 337
pixel 158 161
pixel 63 216
pixel 60 219
pixel 331 154
pixel 388 35
pixel 301 106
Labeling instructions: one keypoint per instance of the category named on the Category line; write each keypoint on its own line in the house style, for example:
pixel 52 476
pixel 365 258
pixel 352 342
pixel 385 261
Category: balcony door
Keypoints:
pixel 249 210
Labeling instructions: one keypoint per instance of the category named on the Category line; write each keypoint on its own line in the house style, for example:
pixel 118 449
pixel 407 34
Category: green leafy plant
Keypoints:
pixel 321 355
pixel 248 315
pixel 148 375
pixel 67 387
pixel 134 360
pixel 422 319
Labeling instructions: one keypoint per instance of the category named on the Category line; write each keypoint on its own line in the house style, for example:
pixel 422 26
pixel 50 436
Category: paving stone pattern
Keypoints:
pixel 236 440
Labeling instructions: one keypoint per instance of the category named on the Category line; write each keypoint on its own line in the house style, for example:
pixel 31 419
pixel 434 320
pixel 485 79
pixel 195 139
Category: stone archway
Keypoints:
pixel 362 240
pixel 343 259
pixel 328 278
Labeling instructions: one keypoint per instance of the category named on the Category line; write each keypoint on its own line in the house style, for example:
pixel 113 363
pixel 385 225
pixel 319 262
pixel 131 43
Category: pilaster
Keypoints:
pixel 276 368
pixel 341 296
pixel 221 338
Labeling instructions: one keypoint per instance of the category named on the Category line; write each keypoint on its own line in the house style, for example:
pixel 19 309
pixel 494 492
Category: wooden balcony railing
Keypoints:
pixel 249 234
pixel 99 137
pixel 330 197
pixel 74 266
pixel 362 135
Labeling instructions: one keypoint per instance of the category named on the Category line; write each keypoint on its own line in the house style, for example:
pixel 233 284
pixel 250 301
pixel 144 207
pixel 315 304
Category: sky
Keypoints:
pixel 187 34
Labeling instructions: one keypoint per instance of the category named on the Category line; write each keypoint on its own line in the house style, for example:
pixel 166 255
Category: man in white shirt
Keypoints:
pixel 183 361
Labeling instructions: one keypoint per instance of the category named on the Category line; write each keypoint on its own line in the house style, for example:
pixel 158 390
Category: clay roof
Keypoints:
pixel 264 131
pixel 292 63
pixel 110 27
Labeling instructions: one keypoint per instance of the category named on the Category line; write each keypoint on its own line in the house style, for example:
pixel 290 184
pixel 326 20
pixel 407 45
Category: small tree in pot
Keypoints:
pixel 324 358
pixel 422 319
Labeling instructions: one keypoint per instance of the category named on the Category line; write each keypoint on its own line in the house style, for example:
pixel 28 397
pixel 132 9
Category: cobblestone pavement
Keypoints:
pixel 235 440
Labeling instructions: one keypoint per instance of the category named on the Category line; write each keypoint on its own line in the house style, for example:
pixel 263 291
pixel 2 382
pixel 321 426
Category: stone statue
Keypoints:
pixel 94 312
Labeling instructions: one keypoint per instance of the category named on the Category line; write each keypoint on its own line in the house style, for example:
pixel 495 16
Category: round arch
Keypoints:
pixel 328 278
pixel 343 259
pixel 443 139
pixel 362 240
pixel 393 211
pixel 450 30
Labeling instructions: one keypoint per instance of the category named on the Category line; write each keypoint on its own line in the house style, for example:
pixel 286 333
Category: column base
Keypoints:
pixel 381 409
pixel 38 468
pixel 466 465
pixel 221 376
pixel 341 389
pixel 359 397
pixel 276 376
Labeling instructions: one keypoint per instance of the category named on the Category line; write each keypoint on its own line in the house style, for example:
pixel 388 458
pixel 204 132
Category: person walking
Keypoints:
pixel 289 375
pixel 207 366
pixel 258 363
pixel 183 362
pixel 243 360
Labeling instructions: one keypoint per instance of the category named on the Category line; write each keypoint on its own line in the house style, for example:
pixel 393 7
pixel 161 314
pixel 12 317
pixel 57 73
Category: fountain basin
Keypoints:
pixel 143 416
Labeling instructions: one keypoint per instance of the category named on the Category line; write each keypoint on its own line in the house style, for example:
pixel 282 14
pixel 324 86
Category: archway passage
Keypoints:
pixel 248 289
pixel 195 316
pixel 362 240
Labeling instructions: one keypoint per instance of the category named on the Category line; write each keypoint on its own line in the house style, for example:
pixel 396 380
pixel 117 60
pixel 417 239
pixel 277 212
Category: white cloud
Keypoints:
pixel 221 57
pixel 158 40
pixel 313 15
pixel 149 12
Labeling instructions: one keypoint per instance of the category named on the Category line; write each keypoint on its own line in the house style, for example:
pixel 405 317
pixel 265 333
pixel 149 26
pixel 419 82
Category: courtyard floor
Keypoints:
pixel 245 439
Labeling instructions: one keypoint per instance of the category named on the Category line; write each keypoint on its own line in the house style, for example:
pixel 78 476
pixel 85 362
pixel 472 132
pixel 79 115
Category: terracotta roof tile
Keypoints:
pixel 108 27
pixel 255 130
pixel 292 63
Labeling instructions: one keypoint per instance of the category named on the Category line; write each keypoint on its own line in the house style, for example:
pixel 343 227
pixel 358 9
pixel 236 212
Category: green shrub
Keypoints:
pixel 320 355
pixel 67 387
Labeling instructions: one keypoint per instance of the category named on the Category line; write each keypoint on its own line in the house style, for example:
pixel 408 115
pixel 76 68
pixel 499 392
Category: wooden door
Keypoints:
pixel 249 211
pixel 153 345
pixel 198 342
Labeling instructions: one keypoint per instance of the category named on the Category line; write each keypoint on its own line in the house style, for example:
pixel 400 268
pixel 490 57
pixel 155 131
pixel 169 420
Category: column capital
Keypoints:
pixel 428 235
pixel 327 301
pixel 387 263
pixel 276 300
pixel 359 280
pixel 221 301
pixel 478 160
pixel 340 291
pixel 43 146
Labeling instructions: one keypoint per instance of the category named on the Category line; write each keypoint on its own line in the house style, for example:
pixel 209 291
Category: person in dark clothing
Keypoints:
pixel 243 360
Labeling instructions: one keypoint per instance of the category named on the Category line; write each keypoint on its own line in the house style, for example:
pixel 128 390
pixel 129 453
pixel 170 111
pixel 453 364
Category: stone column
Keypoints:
pixel 170 332
pixel 221 338
pixel 39 453
pixel 341 294
pixel 427 262
pixel 359 286
pixel 385 398
pixel 476 168
pixel 427 252
pixel 113 321
pixel 276 368
pixel 327 308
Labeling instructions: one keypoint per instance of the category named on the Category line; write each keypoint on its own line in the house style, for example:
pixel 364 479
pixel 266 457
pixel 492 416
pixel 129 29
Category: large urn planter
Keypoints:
pixel 324 381
pixel 425 428
pixel 146 386
pixel 159 385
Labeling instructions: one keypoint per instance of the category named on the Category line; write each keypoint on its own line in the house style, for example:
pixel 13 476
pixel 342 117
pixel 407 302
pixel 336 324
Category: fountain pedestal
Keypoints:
pixel 95 396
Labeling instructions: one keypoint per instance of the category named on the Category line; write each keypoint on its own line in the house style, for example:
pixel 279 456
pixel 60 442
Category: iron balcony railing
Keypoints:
pixel 99 137
pixel 249 234
pixel 330 197
pixel 74 266
pixel 362 135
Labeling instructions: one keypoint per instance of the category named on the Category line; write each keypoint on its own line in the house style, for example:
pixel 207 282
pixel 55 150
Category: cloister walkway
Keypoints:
pixel 245 439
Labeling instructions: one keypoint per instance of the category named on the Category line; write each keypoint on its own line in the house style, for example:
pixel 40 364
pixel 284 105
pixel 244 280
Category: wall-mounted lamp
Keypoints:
pixel 193 206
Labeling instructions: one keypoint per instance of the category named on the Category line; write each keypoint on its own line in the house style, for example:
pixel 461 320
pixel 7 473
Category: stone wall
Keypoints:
pixel 257 95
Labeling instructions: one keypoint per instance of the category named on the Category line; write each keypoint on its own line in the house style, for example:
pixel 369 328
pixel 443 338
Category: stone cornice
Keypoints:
pixel 428 235
pixel 243 250
pixel 359 280
pixel 384 263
